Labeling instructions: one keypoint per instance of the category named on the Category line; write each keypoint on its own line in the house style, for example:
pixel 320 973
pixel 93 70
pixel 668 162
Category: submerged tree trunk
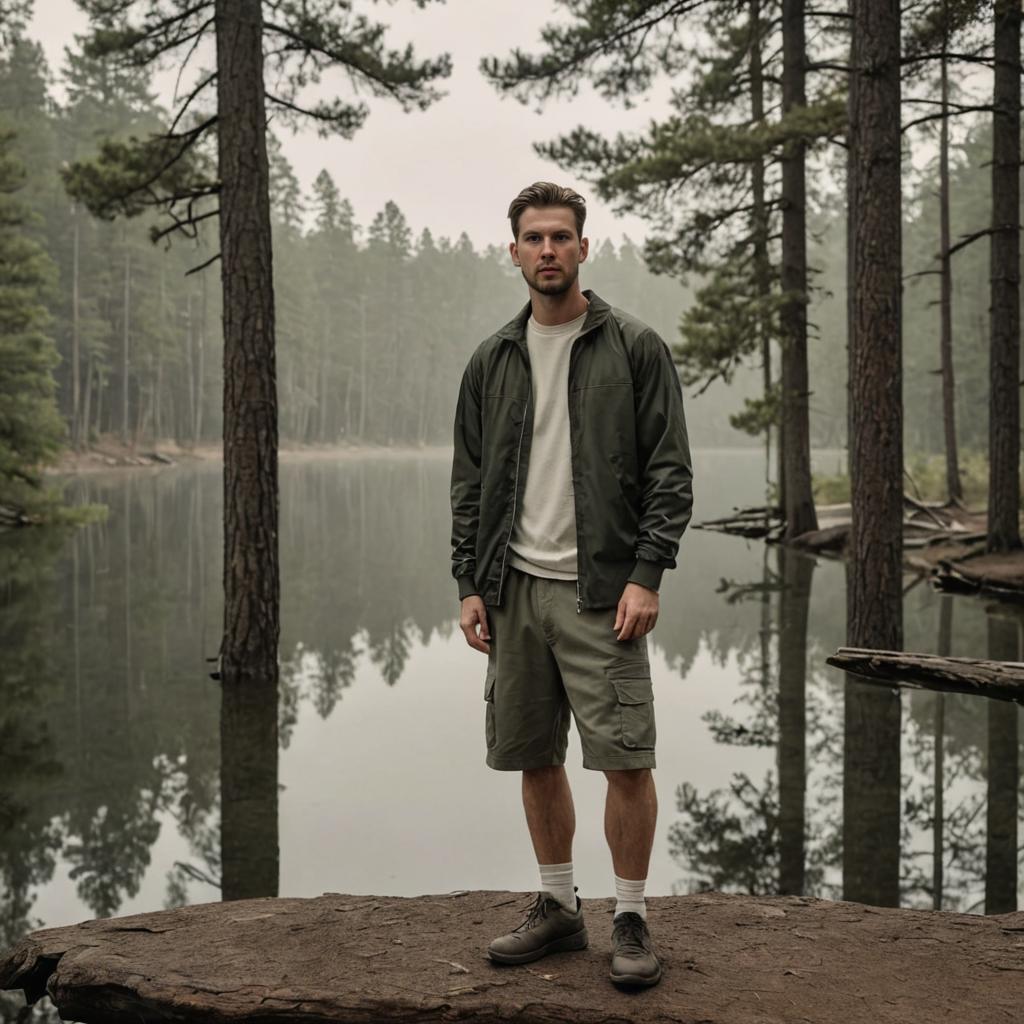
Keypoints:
pixel 1003 778
pixel 1004 366
pixel 871 775
pixel 944 648
pixel 248 665
pixel 796 571
pixel 799 508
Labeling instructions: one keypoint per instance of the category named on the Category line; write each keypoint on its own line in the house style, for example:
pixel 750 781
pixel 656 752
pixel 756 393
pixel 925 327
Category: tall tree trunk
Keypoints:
pixel 871 775
pixel 799 507
pixel 796 571
pixel 1003 778
pixel 87 401
pixel 953 487
pixel 1004 365
pixel 759 219
pixel 248 655
pixel 124 340
pixel 190 370
pixel 197 425
pixel 76 335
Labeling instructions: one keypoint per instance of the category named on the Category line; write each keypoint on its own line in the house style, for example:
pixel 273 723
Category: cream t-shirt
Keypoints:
pixel 543 539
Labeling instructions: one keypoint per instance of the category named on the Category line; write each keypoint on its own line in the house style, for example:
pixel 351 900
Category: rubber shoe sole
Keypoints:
pixel 566 944
pixel 635 981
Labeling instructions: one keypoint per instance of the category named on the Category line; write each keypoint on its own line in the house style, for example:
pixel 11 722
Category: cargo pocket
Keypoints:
pixel 489 698
pixel 635 695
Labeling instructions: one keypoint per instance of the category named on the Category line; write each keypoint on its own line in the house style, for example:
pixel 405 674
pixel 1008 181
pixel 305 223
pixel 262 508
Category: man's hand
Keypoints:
pixel 637 612
pixel 475 614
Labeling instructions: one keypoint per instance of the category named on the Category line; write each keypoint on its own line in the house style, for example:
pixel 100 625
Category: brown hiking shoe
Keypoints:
pixel 633 959
pixel 548 928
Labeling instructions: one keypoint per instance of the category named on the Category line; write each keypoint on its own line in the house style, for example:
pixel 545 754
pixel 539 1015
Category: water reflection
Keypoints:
pixel 120 791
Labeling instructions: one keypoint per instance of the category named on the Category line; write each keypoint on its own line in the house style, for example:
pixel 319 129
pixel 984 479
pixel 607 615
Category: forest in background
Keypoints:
pixel 375 322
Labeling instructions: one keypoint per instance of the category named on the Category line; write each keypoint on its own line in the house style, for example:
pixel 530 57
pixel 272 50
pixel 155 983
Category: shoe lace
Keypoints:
pixel 629 935
pixel 537 913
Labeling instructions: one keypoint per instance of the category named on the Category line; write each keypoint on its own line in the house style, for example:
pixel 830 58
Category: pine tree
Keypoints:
pixel 173 170
pixel 693 175
pixel 31 431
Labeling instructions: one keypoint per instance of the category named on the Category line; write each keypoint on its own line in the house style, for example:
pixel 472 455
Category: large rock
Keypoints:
pixel 728 960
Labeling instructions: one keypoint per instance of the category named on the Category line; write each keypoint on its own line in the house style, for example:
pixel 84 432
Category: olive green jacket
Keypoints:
pixel 631 469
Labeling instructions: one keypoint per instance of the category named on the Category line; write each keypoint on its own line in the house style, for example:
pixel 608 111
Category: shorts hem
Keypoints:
pixel 506 764
pixel 611 762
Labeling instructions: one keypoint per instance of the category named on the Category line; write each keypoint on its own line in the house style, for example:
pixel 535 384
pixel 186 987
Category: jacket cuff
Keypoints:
pixel 647 574
pixel 467 586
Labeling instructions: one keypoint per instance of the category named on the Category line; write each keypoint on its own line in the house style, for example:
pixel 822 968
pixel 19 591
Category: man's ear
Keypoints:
pixel 513 250
pixel 584 248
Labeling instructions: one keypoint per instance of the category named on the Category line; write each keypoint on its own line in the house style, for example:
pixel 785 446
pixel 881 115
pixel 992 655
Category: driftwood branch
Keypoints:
pixel 999 680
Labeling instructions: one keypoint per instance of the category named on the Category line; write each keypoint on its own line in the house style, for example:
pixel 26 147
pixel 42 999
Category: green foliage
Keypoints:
pixel 31 430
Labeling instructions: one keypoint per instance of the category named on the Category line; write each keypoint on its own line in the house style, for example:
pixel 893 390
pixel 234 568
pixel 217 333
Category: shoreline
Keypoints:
pixel 112 456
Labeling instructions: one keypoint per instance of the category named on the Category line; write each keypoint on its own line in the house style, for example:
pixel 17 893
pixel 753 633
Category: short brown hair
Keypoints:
pixel 546 193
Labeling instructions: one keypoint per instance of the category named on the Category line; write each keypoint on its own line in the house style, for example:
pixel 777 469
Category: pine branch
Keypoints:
pixel 968 239
pixel 938 117
pixel 212 77
pixel 203 265
pixel 970 58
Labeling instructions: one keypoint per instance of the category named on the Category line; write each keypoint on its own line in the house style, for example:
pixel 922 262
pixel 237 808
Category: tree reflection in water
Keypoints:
pixel 785 833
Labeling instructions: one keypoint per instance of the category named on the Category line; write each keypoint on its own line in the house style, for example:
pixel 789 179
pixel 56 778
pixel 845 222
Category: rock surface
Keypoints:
pixel 727 960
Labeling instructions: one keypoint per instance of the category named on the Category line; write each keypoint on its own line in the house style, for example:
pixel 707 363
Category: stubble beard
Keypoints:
pixel 556 287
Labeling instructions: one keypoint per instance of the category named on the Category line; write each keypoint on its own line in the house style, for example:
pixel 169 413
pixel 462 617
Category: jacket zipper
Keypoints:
pixel 579 598
pixel 515 485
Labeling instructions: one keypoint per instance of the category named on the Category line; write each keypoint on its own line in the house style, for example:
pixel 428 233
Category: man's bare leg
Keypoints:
pixel 550 815
pixel 631 811
pixel 630 816
pixel 549 927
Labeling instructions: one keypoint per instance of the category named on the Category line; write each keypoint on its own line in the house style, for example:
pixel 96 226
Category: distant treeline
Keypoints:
pixel 374 324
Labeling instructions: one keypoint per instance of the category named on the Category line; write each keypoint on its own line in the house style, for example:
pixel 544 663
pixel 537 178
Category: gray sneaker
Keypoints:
pixel 548 928
pixel 633 959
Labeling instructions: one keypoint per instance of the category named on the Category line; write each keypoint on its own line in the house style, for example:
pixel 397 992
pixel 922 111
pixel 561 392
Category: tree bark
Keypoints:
pixel 939 775
pixel 1004 364
pixel 871 777
pixel 248 655
pixel 125 338
pixel 76 335
pixel 953 486
pixel 799 507
pixel 759 227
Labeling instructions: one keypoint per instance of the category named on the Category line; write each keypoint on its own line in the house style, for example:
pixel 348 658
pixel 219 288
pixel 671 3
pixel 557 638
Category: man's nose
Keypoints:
pixel 548 248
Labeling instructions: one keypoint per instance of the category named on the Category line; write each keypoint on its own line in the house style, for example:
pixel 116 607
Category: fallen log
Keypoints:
pixel 999 680
pixel 999 574
pixel 361 959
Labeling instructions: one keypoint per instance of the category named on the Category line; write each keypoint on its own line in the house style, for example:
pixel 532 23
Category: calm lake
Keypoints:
pixel 109 792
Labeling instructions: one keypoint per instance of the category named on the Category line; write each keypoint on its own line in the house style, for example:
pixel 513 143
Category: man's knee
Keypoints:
pixel 628 778
pixel 541 776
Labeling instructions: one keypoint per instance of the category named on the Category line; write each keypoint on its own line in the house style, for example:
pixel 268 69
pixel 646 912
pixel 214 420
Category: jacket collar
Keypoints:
pixel 597 313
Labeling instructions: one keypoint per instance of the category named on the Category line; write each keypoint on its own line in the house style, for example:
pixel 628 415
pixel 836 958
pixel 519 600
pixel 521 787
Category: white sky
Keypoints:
pixel 457 165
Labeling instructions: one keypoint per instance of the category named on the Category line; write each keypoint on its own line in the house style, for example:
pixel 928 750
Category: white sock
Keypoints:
pixel 629 897
pixel 557 880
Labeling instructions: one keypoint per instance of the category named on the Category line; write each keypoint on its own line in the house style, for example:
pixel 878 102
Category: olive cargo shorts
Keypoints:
pixel 546 660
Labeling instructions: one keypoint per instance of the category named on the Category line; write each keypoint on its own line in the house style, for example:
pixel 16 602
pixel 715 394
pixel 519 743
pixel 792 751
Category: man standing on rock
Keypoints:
pixel 571 487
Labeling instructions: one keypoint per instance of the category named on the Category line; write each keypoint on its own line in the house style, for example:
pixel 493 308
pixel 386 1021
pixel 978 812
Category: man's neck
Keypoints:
pixel 550 310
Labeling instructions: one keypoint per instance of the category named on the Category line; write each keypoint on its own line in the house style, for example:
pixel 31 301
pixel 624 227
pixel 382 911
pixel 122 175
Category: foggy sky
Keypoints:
pixel 456 166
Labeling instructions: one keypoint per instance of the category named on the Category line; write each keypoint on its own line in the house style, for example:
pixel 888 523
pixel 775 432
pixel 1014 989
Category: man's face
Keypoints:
pixel 548 250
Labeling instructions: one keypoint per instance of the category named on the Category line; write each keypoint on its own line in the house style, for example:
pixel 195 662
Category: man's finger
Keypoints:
pixel 627 628
pixel 485 633
pixel 620 614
